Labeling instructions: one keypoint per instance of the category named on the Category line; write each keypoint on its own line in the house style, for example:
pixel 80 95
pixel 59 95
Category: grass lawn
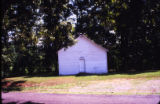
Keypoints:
pixel 115 84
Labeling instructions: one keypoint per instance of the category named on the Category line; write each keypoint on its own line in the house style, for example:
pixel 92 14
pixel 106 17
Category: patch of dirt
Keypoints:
pixel 130 86
pixel 109 86
pixel 6 84
pixel 27 84
pixel 150 86
pixel 58 81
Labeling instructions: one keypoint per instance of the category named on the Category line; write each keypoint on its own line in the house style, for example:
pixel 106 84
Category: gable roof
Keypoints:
pixel 85 37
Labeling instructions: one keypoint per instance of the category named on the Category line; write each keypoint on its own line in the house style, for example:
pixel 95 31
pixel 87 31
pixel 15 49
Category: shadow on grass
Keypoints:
pixel 29 102
pixel 8 86
pixel 50 74
pixel 113 73
pixel 132 72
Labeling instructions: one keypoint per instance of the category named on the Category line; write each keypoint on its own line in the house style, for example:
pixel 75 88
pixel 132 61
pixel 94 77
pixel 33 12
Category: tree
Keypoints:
pixel 57 33
pixel 137 26
pixel 17 21
pixel 127 27
pixel 24 24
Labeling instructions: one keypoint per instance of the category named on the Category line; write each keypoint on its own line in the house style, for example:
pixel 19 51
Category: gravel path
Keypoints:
pixel 45 98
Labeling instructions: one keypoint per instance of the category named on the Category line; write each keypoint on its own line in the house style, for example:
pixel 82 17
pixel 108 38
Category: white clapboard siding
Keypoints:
pixel 84 56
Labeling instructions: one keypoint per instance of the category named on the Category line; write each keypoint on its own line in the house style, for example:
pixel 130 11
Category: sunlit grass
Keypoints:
pixel 91 77
pixel 69 84
pixel 113 76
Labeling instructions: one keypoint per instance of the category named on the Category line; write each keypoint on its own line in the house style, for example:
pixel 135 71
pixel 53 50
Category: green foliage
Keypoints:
pixel 34 30
pixel 134 43
pixel 32 33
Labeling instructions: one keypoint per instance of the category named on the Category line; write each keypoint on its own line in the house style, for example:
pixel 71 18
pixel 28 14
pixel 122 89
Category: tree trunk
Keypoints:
pixel 56 64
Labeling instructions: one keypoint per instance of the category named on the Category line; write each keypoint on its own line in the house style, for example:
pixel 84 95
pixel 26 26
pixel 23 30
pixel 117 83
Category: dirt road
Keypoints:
pixel 45 98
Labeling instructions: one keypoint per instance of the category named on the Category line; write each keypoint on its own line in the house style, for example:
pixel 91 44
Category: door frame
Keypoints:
pixel 84 65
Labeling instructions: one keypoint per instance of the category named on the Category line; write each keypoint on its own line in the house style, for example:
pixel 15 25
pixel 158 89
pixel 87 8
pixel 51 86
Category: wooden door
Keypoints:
pixel 82 65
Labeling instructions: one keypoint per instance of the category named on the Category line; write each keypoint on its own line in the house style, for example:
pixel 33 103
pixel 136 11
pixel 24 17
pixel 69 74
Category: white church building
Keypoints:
pixel 85 56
